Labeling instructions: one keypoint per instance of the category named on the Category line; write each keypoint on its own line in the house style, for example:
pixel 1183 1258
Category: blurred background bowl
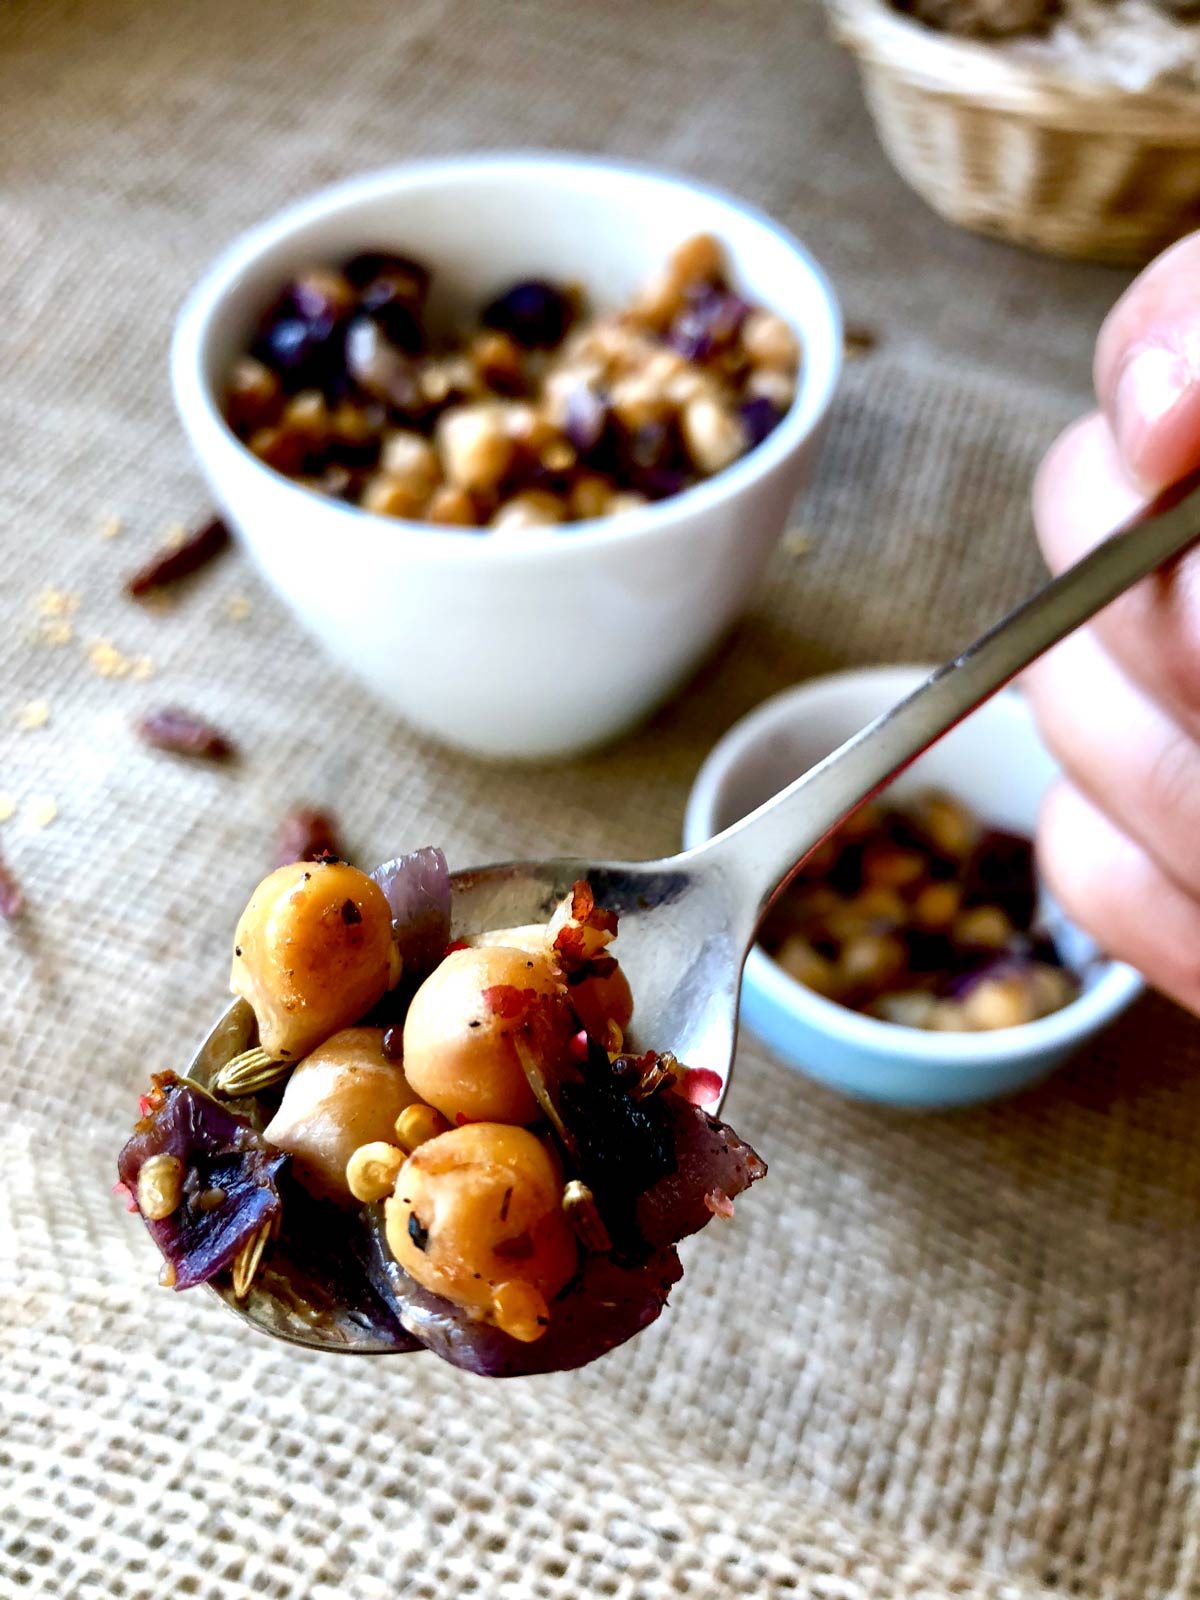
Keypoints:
pixel 532 648
pixel 997 766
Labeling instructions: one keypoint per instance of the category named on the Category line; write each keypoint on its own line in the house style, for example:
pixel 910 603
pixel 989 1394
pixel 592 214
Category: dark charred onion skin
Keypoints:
pixel 220 1152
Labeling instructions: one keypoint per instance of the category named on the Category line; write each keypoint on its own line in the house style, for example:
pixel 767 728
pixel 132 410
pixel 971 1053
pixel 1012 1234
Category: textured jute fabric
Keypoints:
pixel 941 1355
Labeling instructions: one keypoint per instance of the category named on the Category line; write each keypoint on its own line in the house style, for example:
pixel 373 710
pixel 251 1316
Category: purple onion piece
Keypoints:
pixel 535 313
pixel 708 323
pixel 368 265
pixel 303 351
pixel 1001 873
pixel 708 1156
pixel 604 1305
pixel 315 302
pixel 392 306
pixel 760 417
pixel 417 887
pixel 219 1152
pixel 587 417
pixel 378 368
pixel 660 483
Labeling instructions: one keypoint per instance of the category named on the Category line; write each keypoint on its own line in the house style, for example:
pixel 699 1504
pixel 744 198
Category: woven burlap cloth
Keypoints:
pixel 938 1355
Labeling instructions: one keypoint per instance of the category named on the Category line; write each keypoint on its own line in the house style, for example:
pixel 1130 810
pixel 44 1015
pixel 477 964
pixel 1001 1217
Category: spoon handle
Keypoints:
pixel 759 853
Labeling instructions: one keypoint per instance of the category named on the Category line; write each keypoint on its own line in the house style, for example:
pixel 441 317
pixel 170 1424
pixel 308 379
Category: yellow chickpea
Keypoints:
pixel 477 1217
pixel 461 1048
pixel 344 1095
pixel 312 953
pixel 599 1001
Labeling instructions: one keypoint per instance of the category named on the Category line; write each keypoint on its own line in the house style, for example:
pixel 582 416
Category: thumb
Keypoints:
pixel 1148 370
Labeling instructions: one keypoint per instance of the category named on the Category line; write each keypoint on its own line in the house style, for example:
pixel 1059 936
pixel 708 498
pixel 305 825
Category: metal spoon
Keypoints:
pixel 687 921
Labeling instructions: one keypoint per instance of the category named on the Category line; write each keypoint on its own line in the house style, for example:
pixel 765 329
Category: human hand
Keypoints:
pixel 1119 702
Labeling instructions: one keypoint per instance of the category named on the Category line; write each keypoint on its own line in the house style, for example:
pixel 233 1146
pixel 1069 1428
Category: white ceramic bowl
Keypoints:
pixel 530 647
pixel 994 762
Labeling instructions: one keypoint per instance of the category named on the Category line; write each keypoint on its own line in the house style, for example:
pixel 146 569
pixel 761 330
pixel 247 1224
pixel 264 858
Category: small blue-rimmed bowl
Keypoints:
pixel 996 764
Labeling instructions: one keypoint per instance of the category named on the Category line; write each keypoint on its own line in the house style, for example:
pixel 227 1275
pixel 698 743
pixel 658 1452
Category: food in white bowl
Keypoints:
pixel 478 640
pixel 457 1128
pixel 532 413
pixel 995 764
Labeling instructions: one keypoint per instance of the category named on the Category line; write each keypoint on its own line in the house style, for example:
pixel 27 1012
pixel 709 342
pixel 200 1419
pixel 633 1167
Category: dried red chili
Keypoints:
pixel 12 898
pixel 168 566
pixel 184 734
pixel 307 834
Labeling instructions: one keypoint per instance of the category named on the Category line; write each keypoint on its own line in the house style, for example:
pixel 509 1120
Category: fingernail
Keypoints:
pixel 1151 385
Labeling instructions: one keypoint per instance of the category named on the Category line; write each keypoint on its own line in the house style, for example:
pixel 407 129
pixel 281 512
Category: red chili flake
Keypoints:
pixel 183 734
pixel 12 898
pixel 509 1003
pixel 578 1046
pixel 145 1106
pixel 126 1194
pixel 700 1085
pixel 307 834
pixel 459 944
pixel 168 566
pixel 461 1119
pixel 583 900
pixel 719 1203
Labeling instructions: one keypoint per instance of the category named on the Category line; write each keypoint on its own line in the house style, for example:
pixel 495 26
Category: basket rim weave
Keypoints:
pixel 971 71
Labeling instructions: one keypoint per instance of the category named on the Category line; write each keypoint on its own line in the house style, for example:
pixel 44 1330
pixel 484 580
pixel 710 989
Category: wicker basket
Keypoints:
pixel 1019 152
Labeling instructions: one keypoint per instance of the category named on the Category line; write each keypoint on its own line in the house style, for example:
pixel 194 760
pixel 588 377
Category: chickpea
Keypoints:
pixel 475 446
pixel 809 967
pixel 950 827
pixel 908 1008
pixel 598 1001
pixel 477 1217
pixel 254 397
pixel 714 436
pixel 625 500
pixel 460 1051
pixel 639 399
pixel 312 953
pixel 497 359
pixel 888 866
pixel 345 1095
pixel 936 907
pixel 352 425
pixel 388 497
pixel 590 496
pixel 872 960
pixel 997 1003
pixel 535 508
pixel 453 506
pixel 983 925
pixel 411 460
pixel 767 383
pixel 308 415
pixel 769 342
pixel 696 260
pixel 279 448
